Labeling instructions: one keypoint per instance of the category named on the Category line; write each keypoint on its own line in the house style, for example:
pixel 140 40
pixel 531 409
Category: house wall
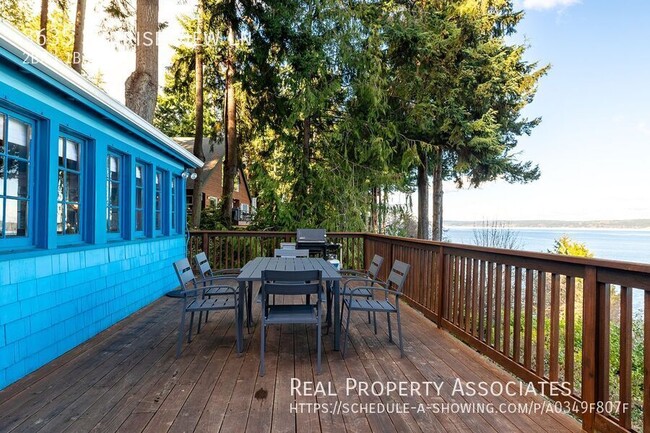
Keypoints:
pixel 58 290
pixel 213 187
pixel 50 303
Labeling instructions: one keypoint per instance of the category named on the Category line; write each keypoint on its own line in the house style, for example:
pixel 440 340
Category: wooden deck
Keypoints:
pixel 128 380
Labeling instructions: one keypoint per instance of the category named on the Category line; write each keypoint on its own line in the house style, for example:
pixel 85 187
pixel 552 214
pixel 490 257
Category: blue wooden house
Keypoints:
pixel 91 208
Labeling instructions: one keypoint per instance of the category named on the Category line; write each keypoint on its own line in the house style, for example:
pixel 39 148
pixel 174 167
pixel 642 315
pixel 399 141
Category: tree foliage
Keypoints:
pixel 568 247
pixel 340 102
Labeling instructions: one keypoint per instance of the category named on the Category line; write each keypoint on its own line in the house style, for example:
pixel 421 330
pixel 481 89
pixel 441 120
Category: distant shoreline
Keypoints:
pixel 636 224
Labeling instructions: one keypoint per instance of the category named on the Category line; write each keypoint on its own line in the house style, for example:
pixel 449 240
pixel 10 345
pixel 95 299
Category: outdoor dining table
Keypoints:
pixel 252 272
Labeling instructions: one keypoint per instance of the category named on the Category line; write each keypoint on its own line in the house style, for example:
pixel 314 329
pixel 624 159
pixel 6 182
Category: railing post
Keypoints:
pixel 589 354
pixel 440 274
pixel 366 253
pixel 205 244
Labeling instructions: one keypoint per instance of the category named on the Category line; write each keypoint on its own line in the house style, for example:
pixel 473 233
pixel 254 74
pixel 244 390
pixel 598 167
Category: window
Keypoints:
pixel 158 202
pixel 114 198
pixel 15 164
pixel 139 199
pixel 69 197
pixel 174 225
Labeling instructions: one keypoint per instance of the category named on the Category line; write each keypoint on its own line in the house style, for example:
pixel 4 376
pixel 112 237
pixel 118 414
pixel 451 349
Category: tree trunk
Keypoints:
pixel 42 37
pixel 197 196
pixel 300 187
pixel 374 219
pixel 437 197
pixel 231 163
pixel 423 195
pixel 78 50
pixel 141 88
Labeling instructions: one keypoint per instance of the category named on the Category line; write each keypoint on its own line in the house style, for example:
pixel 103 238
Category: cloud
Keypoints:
pixel 548 4
pixel 643 128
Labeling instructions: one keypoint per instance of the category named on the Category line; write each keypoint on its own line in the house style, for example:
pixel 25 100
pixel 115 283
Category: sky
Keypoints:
pixel 593 145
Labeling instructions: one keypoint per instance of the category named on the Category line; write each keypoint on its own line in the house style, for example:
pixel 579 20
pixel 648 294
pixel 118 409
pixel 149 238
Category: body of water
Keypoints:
pixel 627 245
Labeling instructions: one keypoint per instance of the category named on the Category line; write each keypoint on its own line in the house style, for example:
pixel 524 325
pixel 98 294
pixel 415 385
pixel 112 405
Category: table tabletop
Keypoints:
pixel 252 271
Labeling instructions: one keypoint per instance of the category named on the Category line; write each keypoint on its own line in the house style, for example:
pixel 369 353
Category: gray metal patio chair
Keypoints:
pixel 192 292
pixel 364 277
pixel 392 286
pixel 222 281
pixel 291 283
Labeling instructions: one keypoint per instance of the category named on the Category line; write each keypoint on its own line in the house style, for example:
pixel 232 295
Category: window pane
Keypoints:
pixel 18 137
pixel 113 221
pixel 60 186
pixel 138 175
pixel 72 184
pixel 113 168
pixel 138 221
pixel 17 182
pixel 59 219
pixel 72 155
pixel 61 151
pixel 2 142
pixel 16 218
pixel 72 219
pixel 138 198
pixel 158 221
pixel 114 191
pixel 2 178
pixel 2 222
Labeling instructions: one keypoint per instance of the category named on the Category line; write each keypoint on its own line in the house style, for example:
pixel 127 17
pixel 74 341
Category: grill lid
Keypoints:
pixel 311 235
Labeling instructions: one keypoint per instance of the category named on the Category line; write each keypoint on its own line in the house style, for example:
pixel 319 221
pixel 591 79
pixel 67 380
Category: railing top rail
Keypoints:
pixel 263 232
pixel 460 248
pixel 583 261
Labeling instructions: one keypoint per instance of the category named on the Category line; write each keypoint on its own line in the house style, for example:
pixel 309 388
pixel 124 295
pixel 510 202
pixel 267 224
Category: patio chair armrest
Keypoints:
pixel 365 280
pixel 190 292
pixel 353 272
pixel 375 288
pixel 215 279
pixel 223 272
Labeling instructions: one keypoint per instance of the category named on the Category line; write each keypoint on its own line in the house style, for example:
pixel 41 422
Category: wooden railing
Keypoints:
pixel 575 328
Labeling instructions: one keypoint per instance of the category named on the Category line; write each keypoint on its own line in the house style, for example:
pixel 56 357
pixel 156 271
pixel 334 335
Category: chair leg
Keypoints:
pixel 318 339
pixel 374 321
pixel 206 317
pixel 181 329
pixel 390 331
pixel 262 348
pixel 345 336
pixel 198 327
pixel 399 333
pixel 189 335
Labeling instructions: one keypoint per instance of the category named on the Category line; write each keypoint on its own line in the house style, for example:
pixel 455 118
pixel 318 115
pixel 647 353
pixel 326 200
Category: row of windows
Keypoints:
pixel 153 210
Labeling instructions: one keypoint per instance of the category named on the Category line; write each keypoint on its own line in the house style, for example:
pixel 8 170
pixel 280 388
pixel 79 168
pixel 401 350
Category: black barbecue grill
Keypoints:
pixel 315 240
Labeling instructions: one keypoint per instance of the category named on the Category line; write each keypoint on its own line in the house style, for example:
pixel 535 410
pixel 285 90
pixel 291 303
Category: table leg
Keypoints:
pixel 249 306
pixel 328 316
pixel 240 316
pixel 337 316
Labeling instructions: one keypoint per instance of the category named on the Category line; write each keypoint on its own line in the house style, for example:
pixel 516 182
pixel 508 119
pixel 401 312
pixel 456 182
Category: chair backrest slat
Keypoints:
pixel 291 282
pixel 185 274
pixel 398 274
pixel 375 266
pixel 203 264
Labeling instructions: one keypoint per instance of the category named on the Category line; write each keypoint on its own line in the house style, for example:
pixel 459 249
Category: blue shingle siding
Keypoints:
pixel 42 318
pixel 61 282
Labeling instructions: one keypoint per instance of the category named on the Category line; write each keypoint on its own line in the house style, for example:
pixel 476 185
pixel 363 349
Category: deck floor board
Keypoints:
pixel 127 379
